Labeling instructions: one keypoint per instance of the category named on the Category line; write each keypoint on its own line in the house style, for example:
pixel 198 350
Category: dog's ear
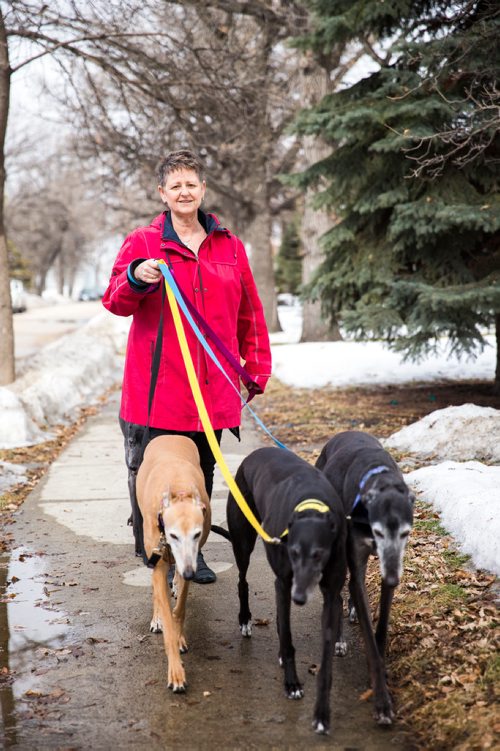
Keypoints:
pixel 197 500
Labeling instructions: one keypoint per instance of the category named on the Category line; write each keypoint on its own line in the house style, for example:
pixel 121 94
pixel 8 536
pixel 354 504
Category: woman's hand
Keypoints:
pixel 148 272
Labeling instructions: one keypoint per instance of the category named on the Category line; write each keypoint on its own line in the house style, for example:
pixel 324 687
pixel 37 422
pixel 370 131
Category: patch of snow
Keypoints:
pixel 341 364
pixel 69 373
pixel 460 433
pixel 11 474
pixel 467 495
pixel 17 428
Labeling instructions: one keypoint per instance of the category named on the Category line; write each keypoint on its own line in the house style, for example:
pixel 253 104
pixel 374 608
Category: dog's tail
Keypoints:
pixel 220 531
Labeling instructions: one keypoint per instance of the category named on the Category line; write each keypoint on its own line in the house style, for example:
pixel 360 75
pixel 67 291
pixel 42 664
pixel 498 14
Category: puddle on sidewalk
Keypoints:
pixel 31 630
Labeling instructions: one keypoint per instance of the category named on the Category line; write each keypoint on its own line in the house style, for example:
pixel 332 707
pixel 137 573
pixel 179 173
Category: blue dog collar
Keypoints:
pixel 364 480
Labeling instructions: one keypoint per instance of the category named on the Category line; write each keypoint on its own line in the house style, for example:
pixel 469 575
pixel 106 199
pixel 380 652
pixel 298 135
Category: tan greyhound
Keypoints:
pixel 171 495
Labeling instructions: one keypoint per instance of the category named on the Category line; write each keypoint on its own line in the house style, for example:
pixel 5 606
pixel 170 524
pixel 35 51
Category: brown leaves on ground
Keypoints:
pixel 443 639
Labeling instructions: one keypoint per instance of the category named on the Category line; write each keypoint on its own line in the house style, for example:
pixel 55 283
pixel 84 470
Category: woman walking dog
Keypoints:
pixel 211 268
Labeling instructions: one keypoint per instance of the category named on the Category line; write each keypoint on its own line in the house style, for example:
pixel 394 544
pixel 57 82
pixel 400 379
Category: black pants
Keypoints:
pixel 135 443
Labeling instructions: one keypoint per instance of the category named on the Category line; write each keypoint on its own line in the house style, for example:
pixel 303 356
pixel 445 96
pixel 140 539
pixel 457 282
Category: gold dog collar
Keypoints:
pixel 310 504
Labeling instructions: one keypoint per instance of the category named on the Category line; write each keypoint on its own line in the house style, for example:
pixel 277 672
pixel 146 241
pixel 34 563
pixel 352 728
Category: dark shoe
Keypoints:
pixel 204 575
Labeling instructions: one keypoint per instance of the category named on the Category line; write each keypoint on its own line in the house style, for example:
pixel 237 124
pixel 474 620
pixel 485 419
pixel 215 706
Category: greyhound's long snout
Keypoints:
pixel 391 580
pixel 299 598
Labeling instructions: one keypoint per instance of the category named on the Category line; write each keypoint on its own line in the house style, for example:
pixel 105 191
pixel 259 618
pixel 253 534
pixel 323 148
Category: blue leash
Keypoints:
pixel 182 305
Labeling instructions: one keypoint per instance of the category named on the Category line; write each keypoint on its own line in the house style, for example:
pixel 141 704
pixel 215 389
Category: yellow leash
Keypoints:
pixel 205 421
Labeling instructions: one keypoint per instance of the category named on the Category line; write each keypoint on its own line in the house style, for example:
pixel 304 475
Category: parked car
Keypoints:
pixel 90 293
pixel 17 296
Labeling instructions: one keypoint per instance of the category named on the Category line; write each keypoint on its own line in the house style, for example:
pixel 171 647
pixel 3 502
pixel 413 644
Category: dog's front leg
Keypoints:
pixel 386 597
pixel 179 612
pixel 383 704
pixel 176 675
pixel 293 687
pixel 331 619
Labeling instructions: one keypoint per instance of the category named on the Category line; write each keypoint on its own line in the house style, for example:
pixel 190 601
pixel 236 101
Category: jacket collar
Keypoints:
pixel 209 222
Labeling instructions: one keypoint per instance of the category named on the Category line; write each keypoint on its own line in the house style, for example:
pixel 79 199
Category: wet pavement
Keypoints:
pixel 79 668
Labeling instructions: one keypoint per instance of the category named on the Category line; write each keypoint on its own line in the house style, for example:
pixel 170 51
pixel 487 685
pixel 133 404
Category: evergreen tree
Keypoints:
pixel 288 272
pixel 412 173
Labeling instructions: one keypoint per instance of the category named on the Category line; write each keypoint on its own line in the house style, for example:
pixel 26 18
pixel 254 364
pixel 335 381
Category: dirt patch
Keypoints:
pixel 443 648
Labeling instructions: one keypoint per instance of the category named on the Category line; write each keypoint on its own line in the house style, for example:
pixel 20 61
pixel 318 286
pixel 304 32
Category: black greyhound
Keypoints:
pixel 379 508
pixel 295 503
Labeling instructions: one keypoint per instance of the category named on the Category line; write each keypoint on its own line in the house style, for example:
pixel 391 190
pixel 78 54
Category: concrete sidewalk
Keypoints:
pixel 83 670
pixel 86 490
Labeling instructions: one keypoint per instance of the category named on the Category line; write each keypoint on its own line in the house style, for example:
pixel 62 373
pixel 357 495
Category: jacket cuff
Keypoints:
pixel 136 284
pixel 261 381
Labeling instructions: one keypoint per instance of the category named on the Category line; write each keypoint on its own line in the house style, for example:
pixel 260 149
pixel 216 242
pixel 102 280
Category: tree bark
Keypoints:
pixel 257 237
pixel 7 368
pixel 496 386
pixel 315 82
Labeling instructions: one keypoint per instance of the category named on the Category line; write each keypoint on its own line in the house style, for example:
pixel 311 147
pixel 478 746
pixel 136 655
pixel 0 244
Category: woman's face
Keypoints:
pixel 182 192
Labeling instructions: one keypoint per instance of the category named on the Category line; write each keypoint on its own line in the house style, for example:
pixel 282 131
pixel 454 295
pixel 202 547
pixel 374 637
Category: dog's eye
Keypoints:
pixel 174 537
pixel 197 536
pixel 404 534
pixel 378 533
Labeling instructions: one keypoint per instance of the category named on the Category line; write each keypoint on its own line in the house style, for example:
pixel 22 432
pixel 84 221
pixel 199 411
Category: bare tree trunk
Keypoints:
pixel 314 82
pixel 496 386
pixel 7 368
pixel 257 236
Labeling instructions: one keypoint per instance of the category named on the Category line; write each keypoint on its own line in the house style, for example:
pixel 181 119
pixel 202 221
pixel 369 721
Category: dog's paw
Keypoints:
pixel 183 647
pixel 155 626
pixel 353 616
pixel 178 688
pixel 246 629
pixel 321 727
pixel 383 718
pixel 383 712
pixel 294 691
pixel 177 680
pixel 340 648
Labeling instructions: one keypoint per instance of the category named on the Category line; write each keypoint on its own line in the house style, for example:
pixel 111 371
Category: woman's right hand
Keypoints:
pixel 148 272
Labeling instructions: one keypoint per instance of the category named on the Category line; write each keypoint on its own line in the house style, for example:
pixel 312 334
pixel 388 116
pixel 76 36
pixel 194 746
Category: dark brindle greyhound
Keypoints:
pixel 379 508
pixel 296 503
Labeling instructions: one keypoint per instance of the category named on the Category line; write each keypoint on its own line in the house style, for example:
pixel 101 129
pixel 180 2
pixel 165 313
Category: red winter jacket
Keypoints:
pixel 220 285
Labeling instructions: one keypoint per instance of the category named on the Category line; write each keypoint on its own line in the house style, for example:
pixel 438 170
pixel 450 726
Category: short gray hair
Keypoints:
pixel 182 159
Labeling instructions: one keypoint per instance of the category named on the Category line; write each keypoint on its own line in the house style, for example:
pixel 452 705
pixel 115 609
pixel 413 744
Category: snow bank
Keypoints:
pixel 16 427
pixel 468 498
pixel 69 373
pixel 11 474
pixel 461 433
pixel 340 364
